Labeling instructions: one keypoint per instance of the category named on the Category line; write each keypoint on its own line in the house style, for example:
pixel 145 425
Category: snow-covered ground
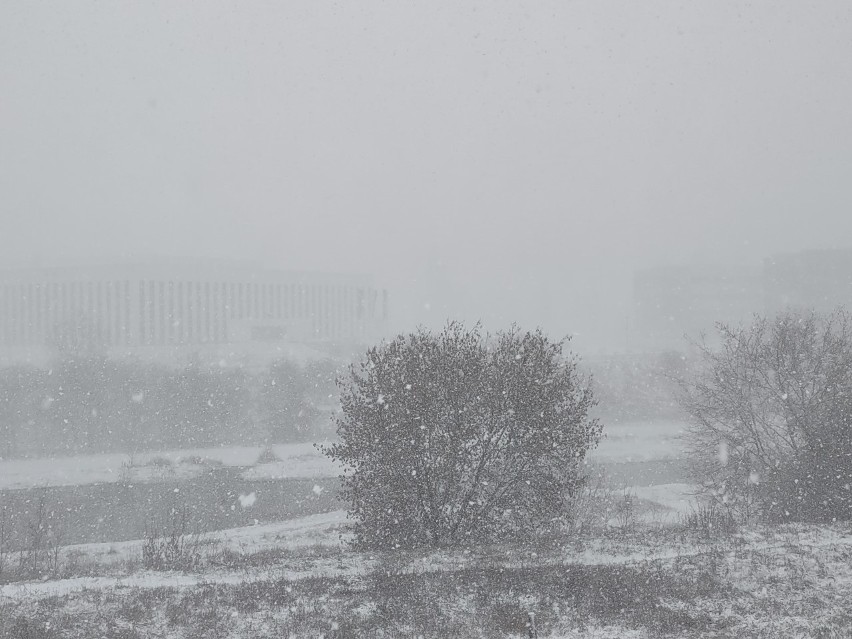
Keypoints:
pixel 328 531
pixel 313 530
pixel 639 441
pixel 297 461
pixel 780 581
pixel 785 581
pixel 676 498
pixel 623 442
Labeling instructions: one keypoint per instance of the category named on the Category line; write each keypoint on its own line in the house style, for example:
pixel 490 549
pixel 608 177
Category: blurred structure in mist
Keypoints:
pixel 687 300
pixel 172 310
pixel 674 301
pixel 818 279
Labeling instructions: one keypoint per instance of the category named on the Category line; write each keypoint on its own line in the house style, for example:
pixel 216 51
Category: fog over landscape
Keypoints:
pixel 508 162
pixel 426 319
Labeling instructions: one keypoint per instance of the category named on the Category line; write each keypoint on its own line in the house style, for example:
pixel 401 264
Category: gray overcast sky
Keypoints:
pixel 502 160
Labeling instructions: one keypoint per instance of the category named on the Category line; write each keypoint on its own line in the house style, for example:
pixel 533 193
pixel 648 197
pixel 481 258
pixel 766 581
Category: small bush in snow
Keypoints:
pixel 160 462
pixel 199 460
pixel 456 438
pixel 172 545
pixel 267 456
pixel 710 520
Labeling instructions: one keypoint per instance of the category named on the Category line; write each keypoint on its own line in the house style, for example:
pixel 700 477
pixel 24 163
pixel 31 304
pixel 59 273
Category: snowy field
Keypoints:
pixel 639 441
pixel 642 571
pixel 630 456
pixel 322 530
pixel 296 461
pixel 623 442
pixel 295 579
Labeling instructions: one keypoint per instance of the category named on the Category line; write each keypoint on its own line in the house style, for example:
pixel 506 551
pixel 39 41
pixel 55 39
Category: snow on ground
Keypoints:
pixel 80 470
pixel 637 441
pixel 763 542
pixel 785 581
pixel 600 632
pixel 677 498
pixel 310 464
pixel 623 442
pixel 313 530
pixel 354 566
pixel 795 578
pixel 297 461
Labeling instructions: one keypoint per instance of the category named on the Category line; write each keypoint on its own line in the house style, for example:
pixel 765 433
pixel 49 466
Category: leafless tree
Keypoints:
pixel 41 552
pixel 770 412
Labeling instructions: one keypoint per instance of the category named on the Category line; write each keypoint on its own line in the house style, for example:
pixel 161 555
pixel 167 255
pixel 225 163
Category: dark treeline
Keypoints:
pixel 94 404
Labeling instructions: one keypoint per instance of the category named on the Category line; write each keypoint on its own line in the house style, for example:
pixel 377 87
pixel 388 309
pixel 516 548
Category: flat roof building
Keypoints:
pixel 814 279
pixel 182 306
pixel 688 300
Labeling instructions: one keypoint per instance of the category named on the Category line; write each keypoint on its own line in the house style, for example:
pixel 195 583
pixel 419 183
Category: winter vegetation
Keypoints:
pixel 300 579
pixel 458 438
pixel 390 320
pixel 86 403
pixel 771 418
pixel 482 493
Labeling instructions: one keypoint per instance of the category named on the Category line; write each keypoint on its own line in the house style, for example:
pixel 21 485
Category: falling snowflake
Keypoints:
pixel 723 453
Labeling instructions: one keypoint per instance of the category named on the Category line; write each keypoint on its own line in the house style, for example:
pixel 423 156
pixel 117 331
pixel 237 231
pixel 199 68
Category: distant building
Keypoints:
pixel 176 308
pixel 671 302
pixel 815 279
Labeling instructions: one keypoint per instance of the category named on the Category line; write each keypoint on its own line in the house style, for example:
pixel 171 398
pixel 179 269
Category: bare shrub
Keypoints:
pixel 625 512
pixel 160 462
pixel 710 520
pixel 41 551
pixel 591 505
pixel 771 409
pixel 172 545
pixel 267 456
pixel 459 438
pixel 200 460
pixel 125 473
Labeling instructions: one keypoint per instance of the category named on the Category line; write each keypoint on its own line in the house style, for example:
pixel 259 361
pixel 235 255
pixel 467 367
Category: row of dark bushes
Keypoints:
pixel 94 404
pixel 88 403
